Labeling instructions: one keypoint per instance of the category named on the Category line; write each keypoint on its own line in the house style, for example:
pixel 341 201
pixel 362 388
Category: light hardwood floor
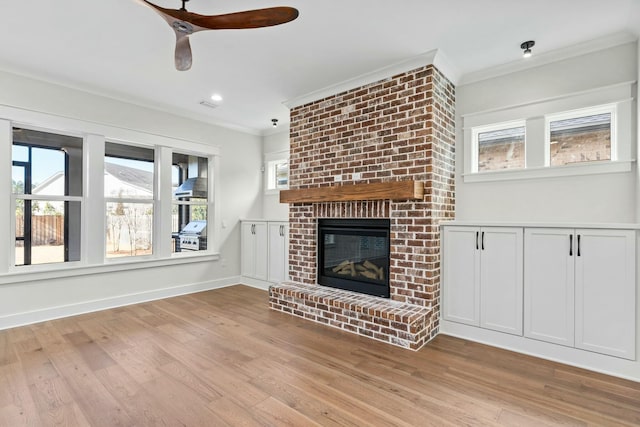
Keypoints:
pixel 223 358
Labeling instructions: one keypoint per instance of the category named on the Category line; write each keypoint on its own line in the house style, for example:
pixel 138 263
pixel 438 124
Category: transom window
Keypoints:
pixel 583 133
pixel 500 146
pixel 580 136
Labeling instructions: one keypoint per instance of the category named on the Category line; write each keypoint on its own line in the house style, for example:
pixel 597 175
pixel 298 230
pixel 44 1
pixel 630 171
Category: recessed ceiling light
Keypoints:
pixel 216 97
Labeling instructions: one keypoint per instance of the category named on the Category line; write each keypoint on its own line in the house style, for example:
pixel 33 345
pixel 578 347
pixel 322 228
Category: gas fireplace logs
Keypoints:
pixel 366 269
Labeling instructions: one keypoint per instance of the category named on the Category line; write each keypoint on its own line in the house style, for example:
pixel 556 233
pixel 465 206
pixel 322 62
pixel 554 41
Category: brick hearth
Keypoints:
pixel 402 324
pixel 396 129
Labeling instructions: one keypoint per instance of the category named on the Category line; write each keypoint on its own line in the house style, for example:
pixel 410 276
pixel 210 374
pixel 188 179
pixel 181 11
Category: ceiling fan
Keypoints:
pixel 185 23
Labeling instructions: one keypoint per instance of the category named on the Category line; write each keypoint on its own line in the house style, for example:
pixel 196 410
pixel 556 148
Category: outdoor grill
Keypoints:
pixel 193 236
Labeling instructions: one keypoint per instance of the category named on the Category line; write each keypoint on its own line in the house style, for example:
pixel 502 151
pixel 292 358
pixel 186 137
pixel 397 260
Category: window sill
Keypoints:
pixel 44 272
pixel 550 172
pixel 274 191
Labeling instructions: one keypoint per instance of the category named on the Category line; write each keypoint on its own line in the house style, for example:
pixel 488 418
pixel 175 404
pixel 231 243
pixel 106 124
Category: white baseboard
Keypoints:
pixel 609 365
pixel 255 283
pixel 27 318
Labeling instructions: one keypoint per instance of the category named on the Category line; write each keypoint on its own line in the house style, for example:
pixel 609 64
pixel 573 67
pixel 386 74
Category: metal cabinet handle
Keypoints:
pixel 253 229
pixel 483 240
pixel 578 253
pixel 570 244
pixel 477 234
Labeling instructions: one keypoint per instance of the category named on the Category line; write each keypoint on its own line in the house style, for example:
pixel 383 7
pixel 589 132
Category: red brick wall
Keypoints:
pixel 396 129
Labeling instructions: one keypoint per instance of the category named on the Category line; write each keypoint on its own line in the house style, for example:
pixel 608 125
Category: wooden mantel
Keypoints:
pixel 397 190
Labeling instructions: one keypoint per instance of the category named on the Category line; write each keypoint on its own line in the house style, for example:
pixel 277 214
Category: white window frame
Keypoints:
pixel 210 204
pixel 618 96
pixel 12 267
pixel 574 114
pixel 93 201
pixel 476 131
pixel 153 201
pixel 270 162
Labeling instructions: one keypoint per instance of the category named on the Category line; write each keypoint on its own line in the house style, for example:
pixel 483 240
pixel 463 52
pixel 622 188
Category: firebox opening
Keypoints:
pixel 353 254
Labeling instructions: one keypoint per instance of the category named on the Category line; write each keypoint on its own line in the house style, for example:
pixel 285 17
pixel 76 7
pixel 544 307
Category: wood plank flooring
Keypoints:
pixel 223 358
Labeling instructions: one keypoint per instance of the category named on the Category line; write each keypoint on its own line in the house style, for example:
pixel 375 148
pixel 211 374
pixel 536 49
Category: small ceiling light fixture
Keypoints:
pixel 274 123
pixel 216 97
pixel 526 46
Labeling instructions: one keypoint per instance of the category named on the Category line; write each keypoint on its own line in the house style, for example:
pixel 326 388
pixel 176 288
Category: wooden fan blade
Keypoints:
pixel 248 19
pixel 183 56
pixel 232 21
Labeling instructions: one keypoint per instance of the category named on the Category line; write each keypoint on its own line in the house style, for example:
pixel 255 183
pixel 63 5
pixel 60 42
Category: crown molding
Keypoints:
pixel 544 58
pixel 132 100
pixel 418 61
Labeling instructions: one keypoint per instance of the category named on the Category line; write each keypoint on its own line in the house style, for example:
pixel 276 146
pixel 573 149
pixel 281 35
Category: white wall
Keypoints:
pixel 271 207
pixel 596 198
pixel 240 190
pixel 604 198
pixel 638 122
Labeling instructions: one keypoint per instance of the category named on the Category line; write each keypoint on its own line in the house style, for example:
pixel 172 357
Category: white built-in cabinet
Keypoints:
pixel 483 277
pixel 581 289
pixel 278 252
pixel 575 287
pixel 254 262
pixel 264 250
pixel 549 295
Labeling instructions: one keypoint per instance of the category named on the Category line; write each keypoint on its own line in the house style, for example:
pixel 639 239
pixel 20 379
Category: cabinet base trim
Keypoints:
pixel 255 283
pixel 608 365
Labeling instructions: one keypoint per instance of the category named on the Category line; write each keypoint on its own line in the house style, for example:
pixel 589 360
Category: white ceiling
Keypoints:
pixel 123 49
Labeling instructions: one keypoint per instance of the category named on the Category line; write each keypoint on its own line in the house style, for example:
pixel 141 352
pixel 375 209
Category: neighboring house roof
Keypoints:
pixel 134 177
pixel 52 181
pixel 141 180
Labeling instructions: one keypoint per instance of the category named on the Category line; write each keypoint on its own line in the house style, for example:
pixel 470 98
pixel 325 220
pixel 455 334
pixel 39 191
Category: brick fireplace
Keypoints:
pixel 401 128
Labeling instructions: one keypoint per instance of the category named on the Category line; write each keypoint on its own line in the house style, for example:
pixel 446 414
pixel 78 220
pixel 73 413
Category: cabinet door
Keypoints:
pixel 261 243
pixel 254 255
pixel 549 285
pixel 461 274
pixel 247 250
pixel 278 242
pixel 501 279
pixel 606 292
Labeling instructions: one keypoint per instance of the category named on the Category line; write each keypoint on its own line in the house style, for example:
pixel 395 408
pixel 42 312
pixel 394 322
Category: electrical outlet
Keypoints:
pixel 356 176
pixel 337 178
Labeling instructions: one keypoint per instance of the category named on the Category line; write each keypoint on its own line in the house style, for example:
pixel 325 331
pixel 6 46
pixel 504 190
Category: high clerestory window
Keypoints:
pixel 577 134
pixel 500 146
pixel 580 136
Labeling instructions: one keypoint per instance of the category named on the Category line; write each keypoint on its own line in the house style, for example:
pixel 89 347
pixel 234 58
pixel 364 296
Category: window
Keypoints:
pixel 500 146
pixel 277 171
pixel 129 197
pixel 582 133
pixel 580 136
pixel 189 215
pixel 47 197
pixel 81 200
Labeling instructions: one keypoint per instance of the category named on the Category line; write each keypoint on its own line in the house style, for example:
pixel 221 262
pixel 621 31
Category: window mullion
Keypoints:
pixel 7 216
pixel 163 243
pixel 94 206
